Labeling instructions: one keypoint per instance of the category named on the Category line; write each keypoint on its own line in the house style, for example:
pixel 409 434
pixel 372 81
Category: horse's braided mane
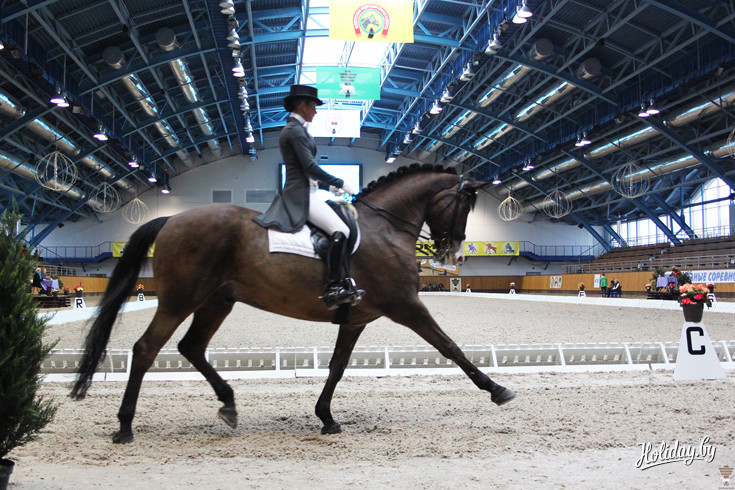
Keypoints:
pixel 401 172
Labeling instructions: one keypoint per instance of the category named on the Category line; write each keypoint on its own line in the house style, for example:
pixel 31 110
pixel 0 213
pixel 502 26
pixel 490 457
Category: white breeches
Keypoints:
pixel 323 217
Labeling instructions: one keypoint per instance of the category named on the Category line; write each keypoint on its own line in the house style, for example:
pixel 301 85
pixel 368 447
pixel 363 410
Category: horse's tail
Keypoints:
pixel 121 283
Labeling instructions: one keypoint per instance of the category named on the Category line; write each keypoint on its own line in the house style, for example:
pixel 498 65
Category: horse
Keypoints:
pixel 227 254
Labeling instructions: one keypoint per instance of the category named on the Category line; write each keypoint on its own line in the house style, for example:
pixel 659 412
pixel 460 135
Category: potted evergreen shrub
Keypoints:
pixel 22 413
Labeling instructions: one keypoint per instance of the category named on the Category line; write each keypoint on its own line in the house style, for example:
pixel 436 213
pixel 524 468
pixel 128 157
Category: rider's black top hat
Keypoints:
pixel 299 92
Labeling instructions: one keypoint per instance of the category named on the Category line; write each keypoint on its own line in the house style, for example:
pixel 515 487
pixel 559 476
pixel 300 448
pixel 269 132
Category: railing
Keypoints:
pixel 75 253
pixel 684 263
pixel 582 252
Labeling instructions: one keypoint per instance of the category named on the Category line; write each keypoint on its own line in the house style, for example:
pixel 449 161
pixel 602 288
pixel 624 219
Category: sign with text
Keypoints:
pixel 710 277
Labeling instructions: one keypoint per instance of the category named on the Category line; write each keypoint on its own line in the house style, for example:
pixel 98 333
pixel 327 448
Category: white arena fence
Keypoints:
pixel 290 362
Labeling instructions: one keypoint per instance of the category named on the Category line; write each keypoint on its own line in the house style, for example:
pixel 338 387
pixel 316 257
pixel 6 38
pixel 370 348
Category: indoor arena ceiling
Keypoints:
pixel 156 76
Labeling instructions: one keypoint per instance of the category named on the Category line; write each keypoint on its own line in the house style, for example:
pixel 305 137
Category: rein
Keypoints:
pixel 387 215
pixel 442 242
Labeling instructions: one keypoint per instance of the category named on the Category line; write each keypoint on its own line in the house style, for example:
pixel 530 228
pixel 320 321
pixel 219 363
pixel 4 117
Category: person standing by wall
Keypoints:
pixel 603 285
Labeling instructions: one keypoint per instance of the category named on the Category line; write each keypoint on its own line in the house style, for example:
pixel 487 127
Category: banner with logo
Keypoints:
pixel 333 123
pixel 473 249
pixel 387 21
pixel 119 247
pixel 348 83
pixel 484 249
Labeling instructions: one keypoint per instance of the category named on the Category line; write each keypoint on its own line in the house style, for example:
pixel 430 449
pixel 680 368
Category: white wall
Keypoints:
pixel 194 188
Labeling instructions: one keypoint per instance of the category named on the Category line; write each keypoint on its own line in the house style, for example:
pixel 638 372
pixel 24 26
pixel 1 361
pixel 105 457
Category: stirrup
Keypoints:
pixel 343 292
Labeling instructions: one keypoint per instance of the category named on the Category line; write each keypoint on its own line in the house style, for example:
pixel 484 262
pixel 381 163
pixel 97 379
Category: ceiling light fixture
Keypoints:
pixel 57 98
pixel 242 92
pixel 100 135
pixel 436 108
pixel 227 7
pixel 518 18
pixel 497 181
pixel 233 35
pixel 249 138
pixel 245 106
pixel 2 46
pixel 390 159
pixel 652 110
pixel 467 73
pixel 152 178
pixel 166 190
pixel 524 11
pixel 494 45
pixel 133 162
pixel 238 69
pixel 417 128
pixel 446 96
pixel 579 141
pixel 407 140
pixel 234 44
pixel 585 140
pixel 643 112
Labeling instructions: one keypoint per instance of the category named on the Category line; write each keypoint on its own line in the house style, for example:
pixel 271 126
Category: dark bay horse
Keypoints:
pixel 209 257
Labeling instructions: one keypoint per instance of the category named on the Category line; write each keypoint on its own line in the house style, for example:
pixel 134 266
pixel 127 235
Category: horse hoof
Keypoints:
pixel 503 397
pixel 121 437
pixel 334 428
pixel 229 416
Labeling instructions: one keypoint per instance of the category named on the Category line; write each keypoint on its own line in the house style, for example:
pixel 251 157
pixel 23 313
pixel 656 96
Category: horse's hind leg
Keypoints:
pixel 207 320
pixel 144 353
pixel 346 340
pixel 416 317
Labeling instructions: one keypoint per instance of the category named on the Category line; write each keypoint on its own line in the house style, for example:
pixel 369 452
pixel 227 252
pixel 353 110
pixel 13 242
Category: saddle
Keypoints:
pixel 320 240
pixel 310 241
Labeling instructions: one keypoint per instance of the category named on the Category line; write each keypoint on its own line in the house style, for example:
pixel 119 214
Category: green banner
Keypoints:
pixel 348 83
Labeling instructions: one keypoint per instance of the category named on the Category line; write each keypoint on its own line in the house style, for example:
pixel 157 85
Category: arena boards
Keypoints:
pixel 239 363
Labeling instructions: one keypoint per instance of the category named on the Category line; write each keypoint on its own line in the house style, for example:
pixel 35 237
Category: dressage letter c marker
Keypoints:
pixel 701 350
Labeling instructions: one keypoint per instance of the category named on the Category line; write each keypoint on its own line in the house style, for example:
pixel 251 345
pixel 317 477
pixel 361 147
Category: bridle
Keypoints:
pixel 442 241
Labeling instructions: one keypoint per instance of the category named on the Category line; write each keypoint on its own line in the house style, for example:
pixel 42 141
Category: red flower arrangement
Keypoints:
pixel 78 288
pixel 691 294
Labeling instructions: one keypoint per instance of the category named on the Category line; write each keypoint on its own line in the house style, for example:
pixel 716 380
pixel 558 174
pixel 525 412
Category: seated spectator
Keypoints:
pixel 37 278
pixel 617 290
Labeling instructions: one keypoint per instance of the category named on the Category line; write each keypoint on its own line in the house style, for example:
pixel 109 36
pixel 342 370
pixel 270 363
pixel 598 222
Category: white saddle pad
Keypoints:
pixel 298 243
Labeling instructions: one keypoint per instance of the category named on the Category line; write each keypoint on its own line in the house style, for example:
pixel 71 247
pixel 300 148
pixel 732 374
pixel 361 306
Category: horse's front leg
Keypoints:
pixel 346 340
pixel 416 317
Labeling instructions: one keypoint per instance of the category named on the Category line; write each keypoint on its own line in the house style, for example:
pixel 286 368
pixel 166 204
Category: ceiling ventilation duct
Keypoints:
pixel 590 68
pixel 669 165
pixel 10 163
pixel 45 131
pixel 542 48
pixel 685 115
pixel 113 56
pixel 166 38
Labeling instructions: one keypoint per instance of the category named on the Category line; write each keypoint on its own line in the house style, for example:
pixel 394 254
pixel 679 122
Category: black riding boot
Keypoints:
pixel 340 288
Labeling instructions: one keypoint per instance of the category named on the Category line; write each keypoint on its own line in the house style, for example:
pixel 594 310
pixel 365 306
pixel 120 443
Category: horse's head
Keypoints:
pixel 447 219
